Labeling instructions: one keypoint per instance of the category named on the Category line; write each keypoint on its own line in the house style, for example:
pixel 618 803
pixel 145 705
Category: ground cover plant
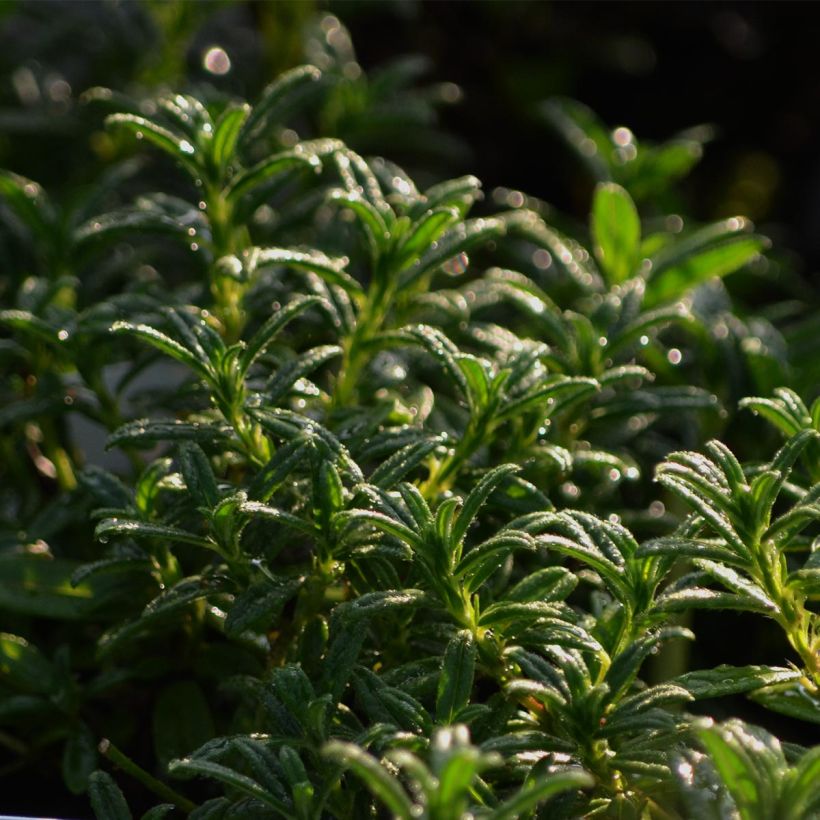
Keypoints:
pixel 411 492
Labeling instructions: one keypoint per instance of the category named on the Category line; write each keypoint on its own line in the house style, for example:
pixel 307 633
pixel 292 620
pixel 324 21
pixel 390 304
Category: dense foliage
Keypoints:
pixel 412 486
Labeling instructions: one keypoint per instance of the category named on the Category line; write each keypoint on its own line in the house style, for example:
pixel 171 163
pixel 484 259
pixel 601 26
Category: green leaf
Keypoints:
pixel 792 699
pixel 328 268
pixel 457 239
pixel 107 800
pixel 375 776
pixel 368 215
pixel 181 721
pixel 225 134
pixel 178 148
pixel 549 584
pixel 198 475
pixel 556 393
pixel 44 587
pixel 478 382
pixel 732 680
pixel 259 605
pixel 23 665
pixel 79 758
pixel 396 467
pixel 626 664
pixel 165 344
pixel 455 683
pixel 144 529
pixel 282 97
pixel 689 548
pixel 273 326
pixel 482 561
pixel 270 167
pixel 191 767
pixel 426 230
pixel 475 500
pixel 144 431
pixel 750 763
pixel 616 229
pixel 535 791
pixel 715 251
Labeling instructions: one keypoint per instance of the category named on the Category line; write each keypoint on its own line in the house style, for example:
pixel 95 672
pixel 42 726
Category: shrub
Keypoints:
pixel 385 537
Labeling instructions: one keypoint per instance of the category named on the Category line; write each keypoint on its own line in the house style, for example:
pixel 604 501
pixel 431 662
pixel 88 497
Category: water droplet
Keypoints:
pixel 542 259
pixel 194 246
pixel 139 135
pixel 674 356
pixel 614 474
pixel 657 509
pixel 203 205
pixel 191 231
pixel 456 265
pixel 644 341
pixel 186 147
pixel 216 60
pixel 62 335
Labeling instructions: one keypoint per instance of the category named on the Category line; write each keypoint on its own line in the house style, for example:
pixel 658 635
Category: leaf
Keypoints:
pixel 226 133
pixel 272 327
pixel 141 127
pixel 396 467
pixel 79 758
pixel 107 800
pixel 616 229
pixel 181 721
pixel 44 587
pixel 535 791
pixel 715 251
pixel 144 431
pixel 475 500
pixel 328 268
pixel 424 232
pixel 368 215
pixel 165 344
pixel 689 548
pixel 556 393
pixel 749 762
pixel 792 699
pixel 30 203
pixel 457 239
pixel 456 679
pixel 144 529
pixel 478 382
pixel 549 584
pixel 626 664
pixel 23 665
pixel 450 193
pixel 191 767
pixel 285 95
pixel 278 387
pixel 732 680
pixel 482 561
pixel 198 475
pixel 270 167
pixel 259 605
pixel 374 775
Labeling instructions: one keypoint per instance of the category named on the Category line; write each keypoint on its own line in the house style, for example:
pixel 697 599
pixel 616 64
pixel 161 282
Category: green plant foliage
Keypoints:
pixel 376 534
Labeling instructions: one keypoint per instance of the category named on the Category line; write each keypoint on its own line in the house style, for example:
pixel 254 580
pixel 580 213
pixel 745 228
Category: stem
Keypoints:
pixel 162 790
pixel 370 321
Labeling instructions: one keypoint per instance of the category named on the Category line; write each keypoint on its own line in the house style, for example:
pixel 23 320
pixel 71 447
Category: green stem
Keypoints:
pixel 162 790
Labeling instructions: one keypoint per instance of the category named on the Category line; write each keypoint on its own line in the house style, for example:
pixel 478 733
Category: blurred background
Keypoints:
pixel 747 69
